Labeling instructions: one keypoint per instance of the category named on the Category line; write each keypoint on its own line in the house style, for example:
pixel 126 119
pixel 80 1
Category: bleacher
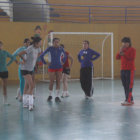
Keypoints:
pixel 4 16
pixel 109 11
pixel 81 11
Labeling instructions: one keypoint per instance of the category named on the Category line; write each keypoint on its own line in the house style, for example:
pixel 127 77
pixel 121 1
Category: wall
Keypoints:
pixel 13 35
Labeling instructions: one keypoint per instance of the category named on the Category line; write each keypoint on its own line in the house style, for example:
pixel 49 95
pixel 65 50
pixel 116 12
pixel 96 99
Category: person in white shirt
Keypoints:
pixel 27 67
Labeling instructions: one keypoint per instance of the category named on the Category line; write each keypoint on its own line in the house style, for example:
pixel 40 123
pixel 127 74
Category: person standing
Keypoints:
pixel 127 55
pixel 4 71
pixel 66 72
pixel 27 68
pixel 57 58
pixel 86 56
pixel 21 78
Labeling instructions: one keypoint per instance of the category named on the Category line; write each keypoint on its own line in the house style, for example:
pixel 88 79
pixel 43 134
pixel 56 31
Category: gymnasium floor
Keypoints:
pixel 75 118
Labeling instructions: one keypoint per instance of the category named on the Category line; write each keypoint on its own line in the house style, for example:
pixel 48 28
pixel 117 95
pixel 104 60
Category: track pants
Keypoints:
pixel 22 82
pixel 86 81
pixel 127 77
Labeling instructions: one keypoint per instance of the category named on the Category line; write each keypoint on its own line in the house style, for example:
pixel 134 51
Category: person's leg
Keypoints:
pixel 65 85
pixel 58 82
pixel 18 93
pixel 22 84
pixel 63 79
pixel 88 82
pixel 129 76
pixel 51 78
pixel 18 90
pixel 127 82
pixel 131 83
pixel 28 78
pixel 4 85
pixel 82 79
pixel 34 84
pixel 123 79
pixel 25 94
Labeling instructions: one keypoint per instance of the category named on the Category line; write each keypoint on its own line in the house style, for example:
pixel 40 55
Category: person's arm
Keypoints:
pixel 95 55
pixel 71 59
pixel 15 54
pixel 120 53
pixel 130 55
pixel 64 58
pixel 21 55
pixel 43 54
pixel 10 56
pixel 79 57
pixel 118 56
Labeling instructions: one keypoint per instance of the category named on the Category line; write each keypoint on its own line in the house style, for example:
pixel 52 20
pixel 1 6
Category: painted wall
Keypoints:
pixel 13 34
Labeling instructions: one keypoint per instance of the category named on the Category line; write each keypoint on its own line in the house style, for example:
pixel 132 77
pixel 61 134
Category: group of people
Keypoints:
pixel 59 68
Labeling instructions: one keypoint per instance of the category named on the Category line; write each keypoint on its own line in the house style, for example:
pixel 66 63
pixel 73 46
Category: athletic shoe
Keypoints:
pixel 16 97
pixel 49 98
pixel 126 103
pixel 57 99
pixel 67 95
pixel 31 107
pixel 87 97
pixel 132 102
pixel 62 96
pixel 6 103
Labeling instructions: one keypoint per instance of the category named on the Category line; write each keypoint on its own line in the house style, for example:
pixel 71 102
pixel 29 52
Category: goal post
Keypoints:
pixel 102 42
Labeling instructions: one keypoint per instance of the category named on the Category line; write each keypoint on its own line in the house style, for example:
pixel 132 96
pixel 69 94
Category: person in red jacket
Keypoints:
pixel 127 55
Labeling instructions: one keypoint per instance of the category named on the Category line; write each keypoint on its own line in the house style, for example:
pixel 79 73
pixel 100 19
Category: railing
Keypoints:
pixel 73 13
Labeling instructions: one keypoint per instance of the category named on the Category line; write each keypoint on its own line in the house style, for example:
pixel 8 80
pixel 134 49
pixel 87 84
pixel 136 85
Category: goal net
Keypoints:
pixel 102 42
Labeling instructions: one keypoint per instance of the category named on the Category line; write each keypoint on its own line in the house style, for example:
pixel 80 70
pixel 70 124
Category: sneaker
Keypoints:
pixel 16 97
pixel 62 96
pixel 126 103
pixel 57 99
pixel 67 95
pixel 132 102
pixel 31 107
pixel 86 97
pixel 49 98
pixel 6 103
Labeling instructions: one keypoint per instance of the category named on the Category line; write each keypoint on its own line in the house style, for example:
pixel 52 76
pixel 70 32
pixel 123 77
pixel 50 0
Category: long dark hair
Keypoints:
pixel 35 40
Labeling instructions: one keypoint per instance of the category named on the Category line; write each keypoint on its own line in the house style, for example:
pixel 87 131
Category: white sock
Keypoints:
pixel 25 100
pixel 66 93
pixel 57 93
pixel 31 100
pixel 50 92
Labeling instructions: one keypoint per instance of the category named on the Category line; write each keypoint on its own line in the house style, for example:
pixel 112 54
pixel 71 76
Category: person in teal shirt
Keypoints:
pixel 4 71
pixel 21 78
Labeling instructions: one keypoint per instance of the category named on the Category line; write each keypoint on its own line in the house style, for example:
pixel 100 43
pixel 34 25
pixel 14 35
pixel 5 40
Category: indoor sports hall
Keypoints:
pixel 69 70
